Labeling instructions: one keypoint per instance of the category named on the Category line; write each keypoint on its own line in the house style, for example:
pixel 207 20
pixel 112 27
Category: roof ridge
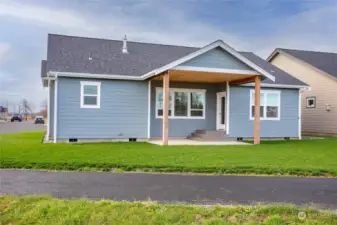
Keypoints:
pixel 106 39
pixel 300 50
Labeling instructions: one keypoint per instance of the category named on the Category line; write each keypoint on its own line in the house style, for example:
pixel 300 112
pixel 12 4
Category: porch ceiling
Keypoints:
pixel 205 77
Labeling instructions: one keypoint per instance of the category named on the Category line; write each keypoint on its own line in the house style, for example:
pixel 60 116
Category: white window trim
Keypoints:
pixel 98 84
pixel 265 92
pixel 307 101
pixel 188 104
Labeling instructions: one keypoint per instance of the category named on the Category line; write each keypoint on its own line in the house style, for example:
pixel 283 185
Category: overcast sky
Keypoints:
pixel 252 25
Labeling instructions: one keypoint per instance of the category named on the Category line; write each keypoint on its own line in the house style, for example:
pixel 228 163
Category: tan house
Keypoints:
pixel 319 70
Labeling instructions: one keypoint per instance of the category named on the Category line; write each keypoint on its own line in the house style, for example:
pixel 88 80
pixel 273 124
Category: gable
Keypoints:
pixel 217 58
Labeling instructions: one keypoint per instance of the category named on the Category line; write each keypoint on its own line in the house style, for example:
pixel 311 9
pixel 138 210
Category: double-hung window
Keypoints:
pixel 90 94
pixel 183 103
pixel 270 104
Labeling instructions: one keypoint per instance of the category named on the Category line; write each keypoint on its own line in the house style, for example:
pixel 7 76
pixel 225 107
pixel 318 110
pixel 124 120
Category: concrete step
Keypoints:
pixel 210 135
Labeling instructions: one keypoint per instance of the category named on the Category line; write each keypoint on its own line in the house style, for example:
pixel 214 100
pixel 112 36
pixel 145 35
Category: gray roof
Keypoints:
pixel 325 61
pixel 102 56
pixel 43 68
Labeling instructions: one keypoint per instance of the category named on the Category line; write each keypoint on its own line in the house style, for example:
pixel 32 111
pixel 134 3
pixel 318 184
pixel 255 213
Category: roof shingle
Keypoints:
pixel 102 56
pixel 325 61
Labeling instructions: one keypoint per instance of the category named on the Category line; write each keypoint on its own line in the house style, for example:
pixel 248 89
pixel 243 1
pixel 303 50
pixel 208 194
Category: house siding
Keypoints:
pixel 51 108
pixel 217 58
pixel 240 124
pixel 122 113
pixel 314 120
pixel 184 127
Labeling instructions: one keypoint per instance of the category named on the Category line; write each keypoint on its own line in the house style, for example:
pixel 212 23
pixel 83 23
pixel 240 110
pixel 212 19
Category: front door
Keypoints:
pixel 221 110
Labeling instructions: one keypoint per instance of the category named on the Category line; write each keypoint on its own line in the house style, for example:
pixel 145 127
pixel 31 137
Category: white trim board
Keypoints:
pixel 172 90
pixel 98 95
pixel 227 106
pixel 149 111
pixel 265 93
pixel 277 86
pixel 216 70
pixel 218 43
pixel 299 114
pixel 55 110
pixel 175 63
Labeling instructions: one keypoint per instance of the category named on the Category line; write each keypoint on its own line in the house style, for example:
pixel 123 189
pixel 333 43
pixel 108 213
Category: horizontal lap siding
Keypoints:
pixel 122 112
pixel 217 58
pixel 51 109
pixel 241 125
pixel 184 127
pixel 314 120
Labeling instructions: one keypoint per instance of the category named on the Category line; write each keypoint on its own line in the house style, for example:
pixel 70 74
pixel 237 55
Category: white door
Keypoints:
pixel 221 111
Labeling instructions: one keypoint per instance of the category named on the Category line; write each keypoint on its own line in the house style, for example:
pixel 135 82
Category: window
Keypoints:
pixel 269 105
pixel 90 94
pixel 311 102
pixel 183 103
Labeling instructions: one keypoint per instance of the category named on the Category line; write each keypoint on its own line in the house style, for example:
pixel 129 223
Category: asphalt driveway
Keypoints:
pixel 199 189
pixel 23 126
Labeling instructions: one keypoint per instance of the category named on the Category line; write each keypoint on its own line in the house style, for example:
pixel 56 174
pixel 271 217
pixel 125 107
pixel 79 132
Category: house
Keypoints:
pixel 121 90
pixel 319 70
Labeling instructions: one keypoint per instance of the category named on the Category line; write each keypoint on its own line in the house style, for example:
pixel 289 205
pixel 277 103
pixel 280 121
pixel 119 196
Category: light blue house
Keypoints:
pixel 107 90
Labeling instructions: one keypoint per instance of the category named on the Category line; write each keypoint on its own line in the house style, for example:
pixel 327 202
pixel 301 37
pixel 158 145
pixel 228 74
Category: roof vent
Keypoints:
pixel 125 48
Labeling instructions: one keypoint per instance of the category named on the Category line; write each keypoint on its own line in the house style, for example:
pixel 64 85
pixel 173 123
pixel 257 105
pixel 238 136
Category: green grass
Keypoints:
pixel 303 158
pixel 47 210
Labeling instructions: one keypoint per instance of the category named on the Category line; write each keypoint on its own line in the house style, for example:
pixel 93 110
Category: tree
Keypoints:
pixel 25 107
pixel 44 106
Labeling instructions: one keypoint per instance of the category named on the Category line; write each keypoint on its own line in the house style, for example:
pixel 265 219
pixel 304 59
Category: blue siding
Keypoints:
pixel 217 58
pixel 184 127
pixel 241 125
pixel 51 112
pixel 123 111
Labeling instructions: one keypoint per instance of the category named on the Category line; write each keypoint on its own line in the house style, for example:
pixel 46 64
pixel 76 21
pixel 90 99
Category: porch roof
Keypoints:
pixel 206 77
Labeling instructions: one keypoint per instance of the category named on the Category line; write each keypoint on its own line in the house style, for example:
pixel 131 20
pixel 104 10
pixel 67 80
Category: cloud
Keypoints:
pixel 167 22
pixel 4 48
pixel 39 15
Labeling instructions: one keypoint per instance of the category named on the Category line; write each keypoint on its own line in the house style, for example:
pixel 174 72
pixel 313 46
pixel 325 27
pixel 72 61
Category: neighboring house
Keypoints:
pixel 319 70
pixel 115 90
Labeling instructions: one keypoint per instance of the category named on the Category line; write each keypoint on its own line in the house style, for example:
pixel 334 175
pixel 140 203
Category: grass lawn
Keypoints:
pixel 46 210
pixel 310 157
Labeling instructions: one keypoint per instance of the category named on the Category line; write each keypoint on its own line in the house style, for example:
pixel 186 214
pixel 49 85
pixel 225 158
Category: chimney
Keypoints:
pixel 125 48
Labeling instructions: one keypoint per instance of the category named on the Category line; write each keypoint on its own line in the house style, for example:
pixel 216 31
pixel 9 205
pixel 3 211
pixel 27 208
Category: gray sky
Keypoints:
pixel 259 26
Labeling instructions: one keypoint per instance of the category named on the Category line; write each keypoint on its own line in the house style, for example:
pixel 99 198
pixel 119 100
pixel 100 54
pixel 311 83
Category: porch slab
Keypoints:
pixel 194 142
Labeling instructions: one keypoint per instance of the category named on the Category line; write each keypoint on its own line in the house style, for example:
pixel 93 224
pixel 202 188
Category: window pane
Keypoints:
pixel 261 98
pixel 197 113
pixel 90 89
pixel 180 103
pixel 197 100
pixel 261 111
pixel 159 100
pixel 272 99
pixel 160 112
pixel 90 100
pixel 272 111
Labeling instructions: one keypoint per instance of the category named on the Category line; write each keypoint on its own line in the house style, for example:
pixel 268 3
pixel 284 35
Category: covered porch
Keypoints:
pixel 223 78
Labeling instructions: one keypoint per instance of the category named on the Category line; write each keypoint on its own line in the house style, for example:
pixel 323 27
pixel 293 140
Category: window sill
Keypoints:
pixel 277 119
pixel 90 107
pixel 182 117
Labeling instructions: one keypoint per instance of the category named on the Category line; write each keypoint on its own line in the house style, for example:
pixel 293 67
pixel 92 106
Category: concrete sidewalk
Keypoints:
pixel 198 189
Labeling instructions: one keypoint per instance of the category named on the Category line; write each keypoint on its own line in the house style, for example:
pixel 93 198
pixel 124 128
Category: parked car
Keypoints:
pixel 39 119
pixel 16 117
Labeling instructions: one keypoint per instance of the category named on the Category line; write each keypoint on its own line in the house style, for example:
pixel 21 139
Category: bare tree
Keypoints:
pixel 25 107
pixel 44 106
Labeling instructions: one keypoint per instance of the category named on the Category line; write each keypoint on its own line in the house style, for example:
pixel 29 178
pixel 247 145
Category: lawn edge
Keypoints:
pixel 150 171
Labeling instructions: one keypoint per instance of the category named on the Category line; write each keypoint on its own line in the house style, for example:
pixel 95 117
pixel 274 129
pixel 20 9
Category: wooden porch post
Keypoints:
pixel 166 81
pixel 257 110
